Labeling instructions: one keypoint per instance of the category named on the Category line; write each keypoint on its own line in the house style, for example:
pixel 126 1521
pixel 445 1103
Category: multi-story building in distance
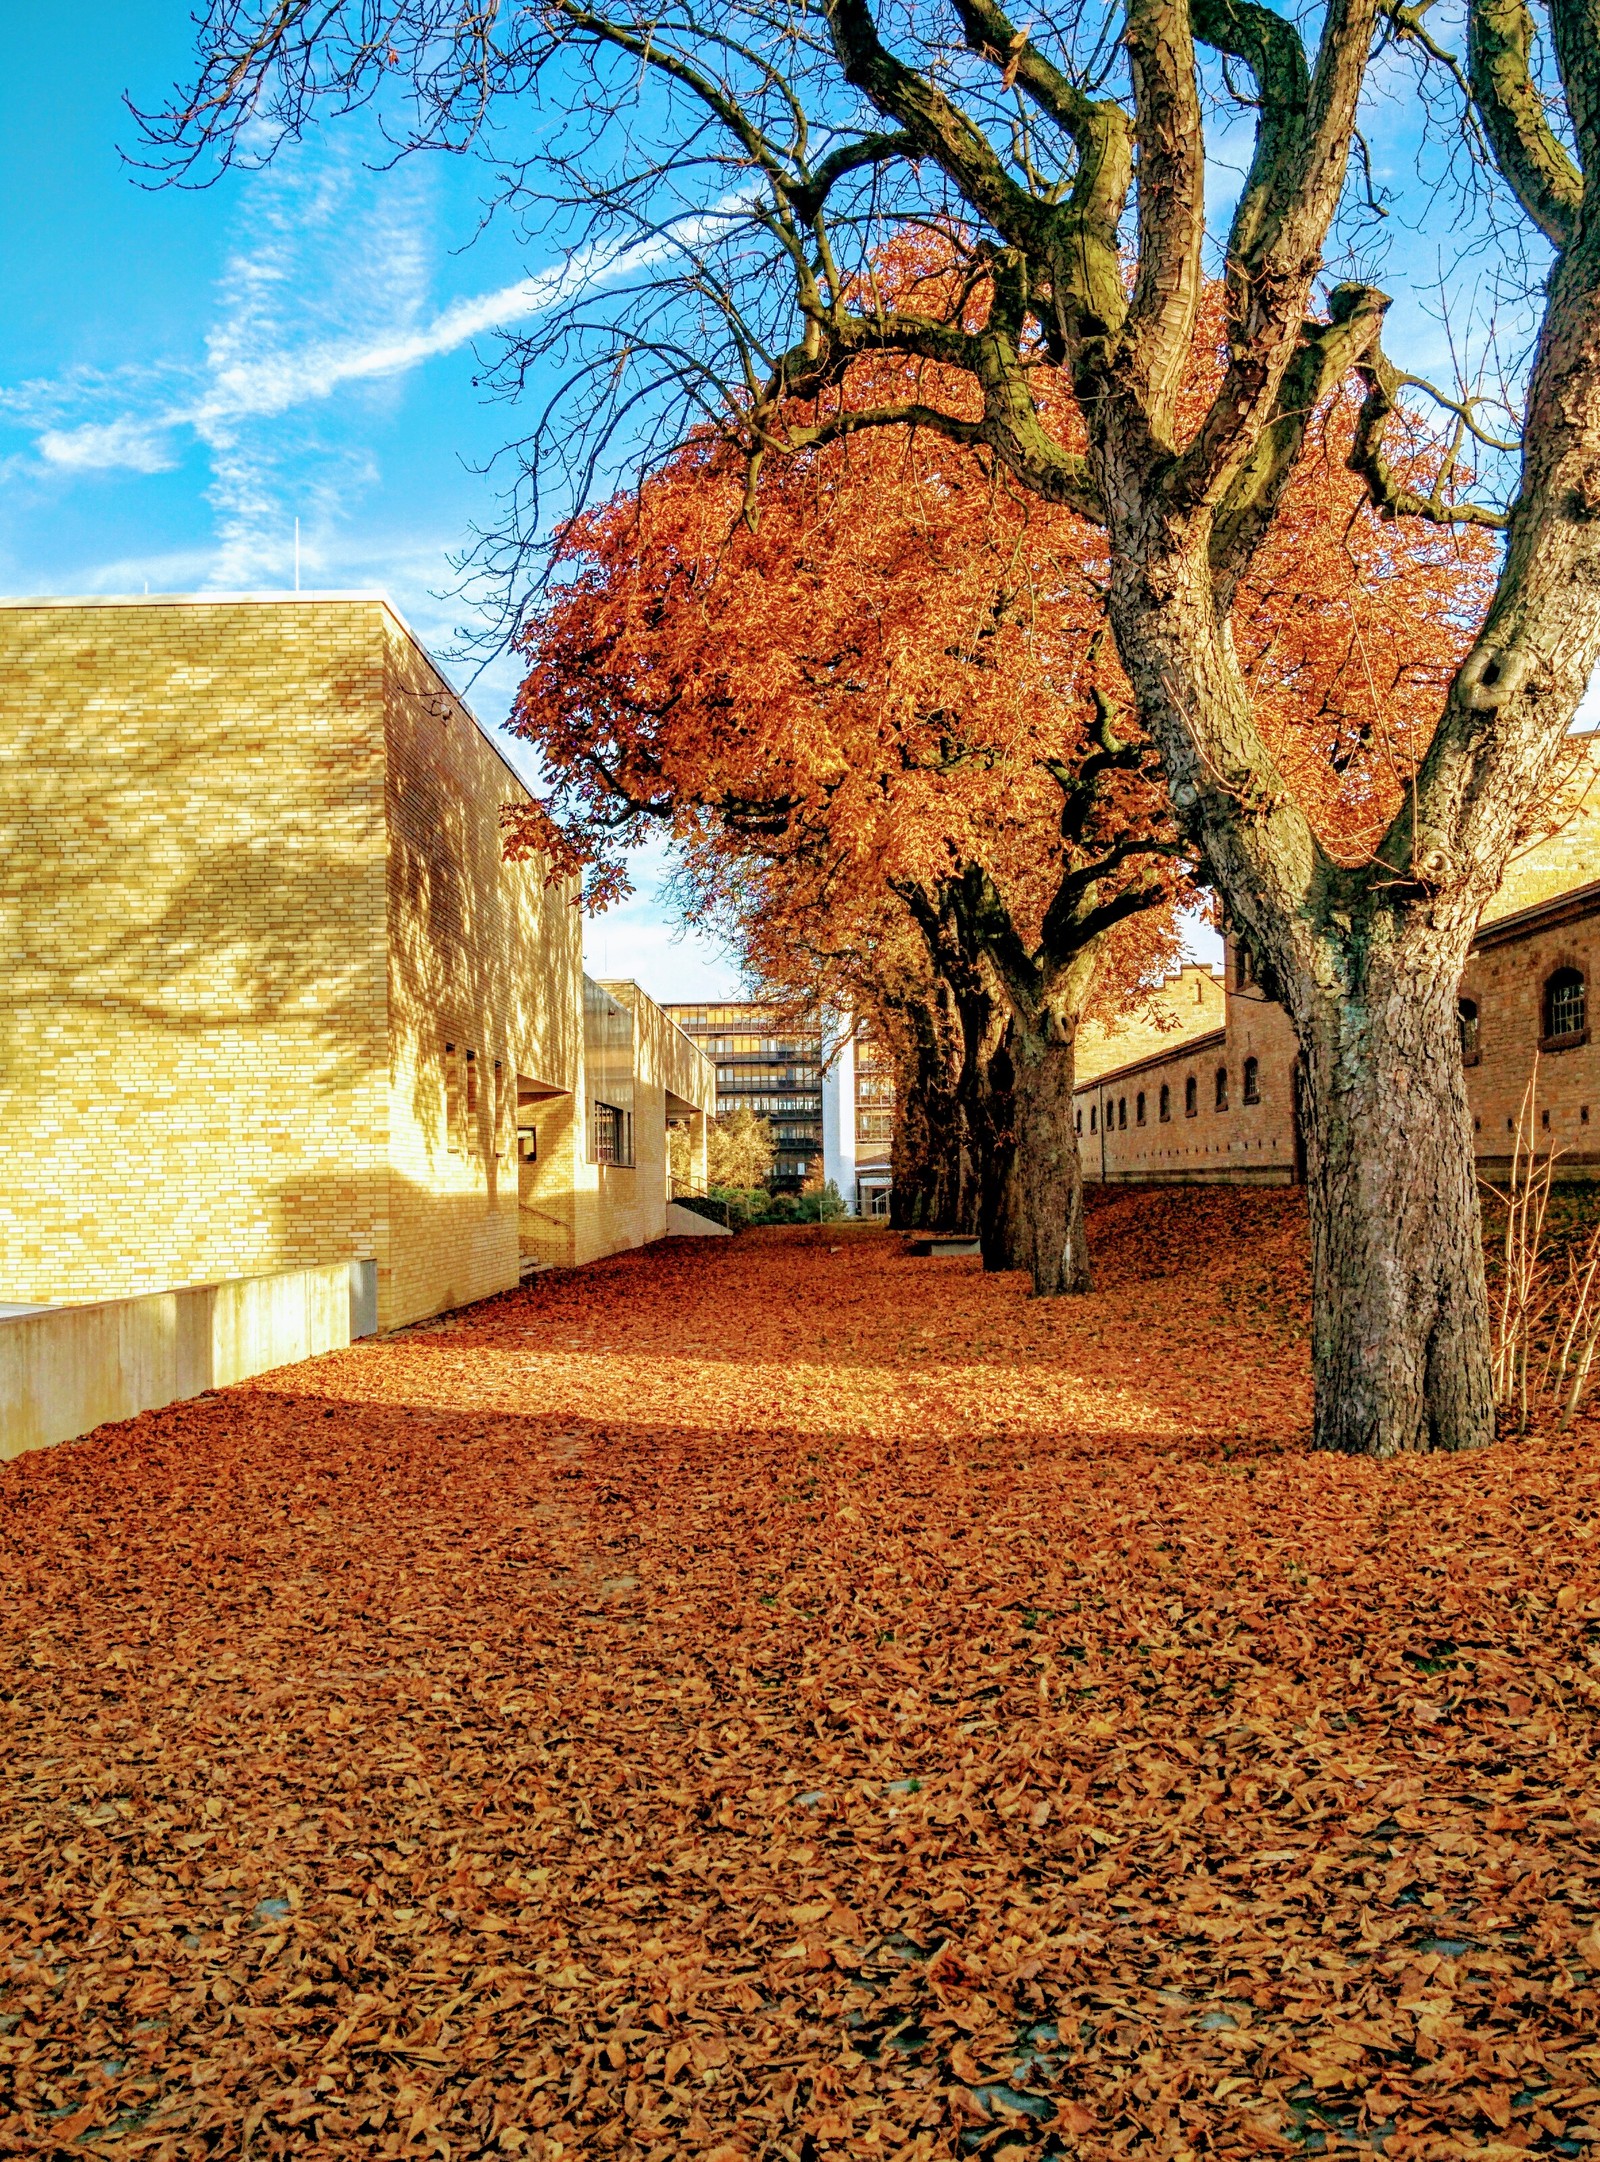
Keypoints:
pixel 833 1115
pixel 770 1067
pixel 858 1123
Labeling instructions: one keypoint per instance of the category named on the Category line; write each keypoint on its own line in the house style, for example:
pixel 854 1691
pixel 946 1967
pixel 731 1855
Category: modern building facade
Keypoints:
pixel 273 997
pixel 1211 1100
pixel 826 1087
pixel 858 1123
pixel 769 1066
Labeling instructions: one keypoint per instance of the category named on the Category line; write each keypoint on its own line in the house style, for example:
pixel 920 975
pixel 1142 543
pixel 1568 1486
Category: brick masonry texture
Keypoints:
pixel 272 994
pixel 1239 1142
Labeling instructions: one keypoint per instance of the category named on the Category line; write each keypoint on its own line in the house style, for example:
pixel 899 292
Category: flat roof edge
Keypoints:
pixel 207 599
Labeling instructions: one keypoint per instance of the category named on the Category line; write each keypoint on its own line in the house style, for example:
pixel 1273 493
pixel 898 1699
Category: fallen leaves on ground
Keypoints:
pixel 782 1698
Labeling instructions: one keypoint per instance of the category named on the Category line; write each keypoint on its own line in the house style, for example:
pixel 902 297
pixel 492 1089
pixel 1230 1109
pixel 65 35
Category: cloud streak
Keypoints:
pixel 255 388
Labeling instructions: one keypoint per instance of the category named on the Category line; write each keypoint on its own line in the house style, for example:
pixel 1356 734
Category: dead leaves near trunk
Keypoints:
pixel 797 1700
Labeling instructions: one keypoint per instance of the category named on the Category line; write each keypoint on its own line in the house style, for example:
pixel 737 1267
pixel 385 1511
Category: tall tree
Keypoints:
pixel 731 177
pixel 895 676
pixel 886 666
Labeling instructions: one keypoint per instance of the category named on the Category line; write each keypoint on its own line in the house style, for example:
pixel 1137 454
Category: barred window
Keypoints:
pixel 613 1135
pixel 1564 1005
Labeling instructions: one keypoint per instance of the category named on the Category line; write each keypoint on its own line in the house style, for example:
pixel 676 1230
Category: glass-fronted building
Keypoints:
pixel 772 1068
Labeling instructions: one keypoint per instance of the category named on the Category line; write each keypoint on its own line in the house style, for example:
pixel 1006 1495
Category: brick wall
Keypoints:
pixel 193 1013
pixel 1546 917
pixel 1188 1004
pixel 484 973
pixel 1506 979
pixel 251 890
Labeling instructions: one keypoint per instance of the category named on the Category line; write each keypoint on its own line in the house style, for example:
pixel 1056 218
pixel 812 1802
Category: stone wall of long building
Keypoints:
pixel 1537 952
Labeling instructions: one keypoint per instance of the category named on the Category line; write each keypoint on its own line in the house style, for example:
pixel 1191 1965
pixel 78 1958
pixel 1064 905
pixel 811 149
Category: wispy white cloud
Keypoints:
pixel 136 445
pixel 243 382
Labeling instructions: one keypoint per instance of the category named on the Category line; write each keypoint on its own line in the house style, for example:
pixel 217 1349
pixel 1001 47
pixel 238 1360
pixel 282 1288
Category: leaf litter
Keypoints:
pixel 780 1698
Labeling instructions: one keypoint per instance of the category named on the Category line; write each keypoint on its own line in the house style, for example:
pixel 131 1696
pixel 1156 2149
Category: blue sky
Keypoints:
pixel 183 373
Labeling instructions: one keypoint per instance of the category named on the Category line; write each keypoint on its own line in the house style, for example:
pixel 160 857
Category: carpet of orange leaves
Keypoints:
pixel 782 1698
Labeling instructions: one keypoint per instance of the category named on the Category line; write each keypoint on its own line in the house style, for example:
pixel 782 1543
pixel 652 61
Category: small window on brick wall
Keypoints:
pixel 1565 1010
pixel 1191 1097
pixel 1166 1103
pixel 1222 1088
pixel 1467 1023
pixel 452 1099
pixel 1138 1109
pixel 1252 1081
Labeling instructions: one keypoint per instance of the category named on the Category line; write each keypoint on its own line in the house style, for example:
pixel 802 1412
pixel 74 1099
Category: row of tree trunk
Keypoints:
pixel 985 1140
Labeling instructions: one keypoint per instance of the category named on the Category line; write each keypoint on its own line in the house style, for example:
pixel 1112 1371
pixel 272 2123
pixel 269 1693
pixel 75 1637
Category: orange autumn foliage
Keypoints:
pixel 877 671
pixel 872 681
pixel 774 1696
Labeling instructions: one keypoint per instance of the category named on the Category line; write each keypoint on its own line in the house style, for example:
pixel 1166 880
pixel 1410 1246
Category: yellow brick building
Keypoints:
pixel 272 996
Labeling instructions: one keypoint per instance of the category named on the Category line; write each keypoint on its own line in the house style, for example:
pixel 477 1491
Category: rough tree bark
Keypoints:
pixel 1044 1217
pixel 1402 1352
pixel 935 1184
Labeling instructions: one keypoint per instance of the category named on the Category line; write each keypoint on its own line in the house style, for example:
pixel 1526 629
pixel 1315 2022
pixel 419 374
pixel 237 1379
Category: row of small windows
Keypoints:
pixel 1564 1015
pixel 1117 1114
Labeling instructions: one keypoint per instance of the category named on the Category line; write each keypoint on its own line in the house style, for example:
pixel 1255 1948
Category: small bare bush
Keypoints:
pixel 1547 1318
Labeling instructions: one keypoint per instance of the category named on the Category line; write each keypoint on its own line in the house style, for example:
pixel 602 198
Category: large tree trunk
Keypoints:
pixel 1400 1325
pixel 1043 1221
pixel 1368 966
pixel 935 1185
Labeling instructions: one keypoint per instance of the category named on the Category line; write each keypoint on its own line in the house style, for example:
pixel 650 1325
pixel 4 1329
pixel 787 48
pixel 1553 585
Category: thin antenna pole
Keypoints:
pixel 297 555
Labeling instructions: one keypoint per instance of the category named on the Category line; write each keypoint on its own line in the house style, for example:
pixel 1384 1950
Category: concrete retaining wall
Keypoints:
pixel 69 1369
pixel 685 1223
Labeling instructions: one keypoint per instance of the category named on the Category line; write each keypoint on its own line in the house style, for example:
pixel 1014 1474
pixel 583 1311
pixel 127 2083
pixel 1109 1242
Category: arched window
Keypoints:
pixel 1564 1010
pixel 1091 1118
pixel 1467 1023
pixel 1077 1124
pixel 1166 1103
pixel 1138 1109
pixel 1252 1081
pixel 1122 1113
pixel 1222 1088
pixel 1191 1097
pixel 1243 966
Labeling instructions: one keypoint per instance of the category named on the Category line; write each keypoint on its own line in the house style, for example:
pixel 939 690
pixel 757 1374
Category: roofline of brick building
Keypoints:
pixel 1569 907
pixel 371 596
pixel 1181 1049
